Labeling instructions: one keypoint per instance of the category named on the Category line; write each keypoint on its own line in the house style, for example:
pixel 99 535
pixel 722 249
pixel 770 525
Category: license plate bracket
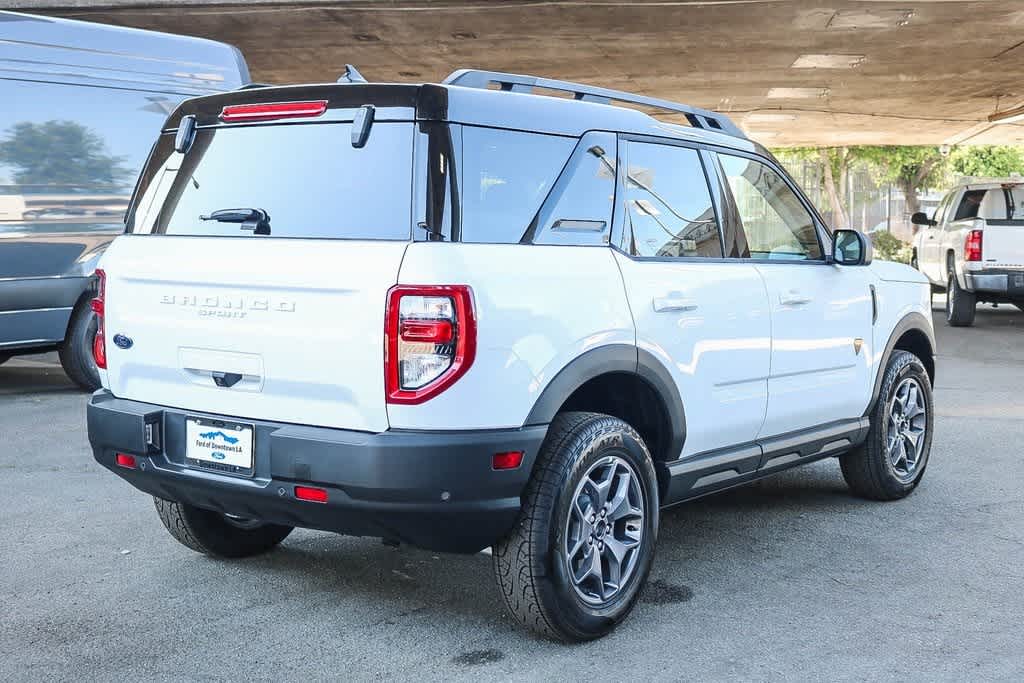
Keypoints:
pixel 220 445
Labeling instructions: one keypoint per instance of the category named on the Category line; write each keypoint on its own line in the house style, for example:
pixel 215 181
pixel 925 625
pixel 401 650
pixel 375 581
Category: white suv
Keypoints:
pixel 464 315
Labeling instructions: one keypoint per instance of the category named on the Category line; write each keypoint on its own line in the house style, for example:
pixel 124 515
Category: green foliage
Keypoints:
pixel 907 166
pixel 60 153
pixel 995 161
pixel 888 247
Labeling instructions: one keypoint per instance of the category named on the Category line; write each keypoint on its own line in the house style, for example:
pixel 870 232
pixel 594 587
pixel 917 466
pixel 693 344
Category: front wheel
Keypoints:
pixel 891 461
pixel 960 304
pixel 573 565
pixel 213 533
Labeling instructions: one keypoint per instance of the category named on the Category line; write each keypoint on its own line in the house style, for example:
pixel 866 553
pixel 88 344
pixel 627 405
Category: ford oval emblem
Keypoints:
pixel 122 342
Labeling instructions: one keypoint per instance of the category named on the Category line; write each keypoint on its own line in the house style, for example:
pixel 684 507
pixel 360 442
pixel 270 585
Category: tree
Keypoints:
pixel 60 153
pixel 993 161
pixel 834 163
pixel 911 169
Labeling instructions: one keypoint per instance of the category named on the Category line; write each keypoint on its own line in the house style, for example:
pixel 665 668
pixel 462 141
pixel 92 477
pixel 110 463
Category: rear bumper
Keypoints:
pixel 434 490
pixel 1008 283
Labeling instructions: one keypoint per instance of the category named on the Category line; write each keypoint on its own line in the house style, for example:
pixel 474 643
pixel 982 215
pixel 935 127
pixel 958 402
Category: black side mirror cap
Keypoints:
pixel 921 218
pixel 851 248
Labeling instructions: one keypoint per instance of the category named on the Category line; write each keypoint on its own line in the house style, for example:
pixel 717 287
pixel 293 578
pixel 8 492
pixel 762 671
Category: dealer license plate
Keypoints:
pixel 219 444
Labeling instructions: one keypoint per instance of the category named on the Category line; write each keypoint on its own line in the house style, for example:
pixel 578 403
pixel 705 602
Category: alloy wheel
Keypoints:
pixel 905 433
pixel 604 531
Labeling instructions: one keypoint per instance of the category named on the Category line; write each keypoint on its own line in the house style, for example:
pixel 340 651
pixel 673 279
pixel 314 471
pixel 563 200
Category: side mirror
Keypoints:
pixel 921 218
pixel 851 248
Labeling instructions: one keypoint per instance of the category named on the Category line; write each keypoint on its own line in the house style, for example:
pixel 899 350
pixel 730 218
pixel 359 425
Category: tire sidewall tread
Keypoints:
pixel 528 562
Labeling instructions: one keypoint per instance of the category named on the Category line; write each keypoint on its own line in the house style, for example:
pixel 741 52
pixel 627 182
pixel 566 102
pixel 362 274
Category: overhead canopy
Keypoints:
pixel 790 73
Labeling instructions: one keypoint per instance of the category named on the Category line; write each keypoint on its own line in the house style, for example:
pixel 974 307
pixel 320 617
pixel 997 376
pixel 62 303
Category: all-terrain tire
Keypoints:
pixel 869 470
pixel 212 533
pixel 76 351
pixel 530 566
pixel 960 304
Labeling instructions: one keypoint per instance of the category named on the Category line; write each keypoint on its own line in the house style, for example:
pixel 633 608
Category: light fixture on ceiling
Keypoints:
pixel 1008 116
pixel 797 93
pixel 828 61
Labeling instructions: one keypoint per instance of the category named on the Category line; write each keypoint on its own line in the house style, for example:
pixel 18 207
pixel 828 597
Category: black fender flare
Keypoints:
pixel 911 321
pixel 613 358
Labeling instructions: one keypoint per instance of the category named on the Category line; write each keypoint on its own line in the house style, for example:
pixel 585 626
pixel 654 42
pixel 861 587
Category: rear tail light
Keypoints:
pixel 509 460
pixel 430 338
pixel 125 460
pixel 268 111
pixel 311 494
pixel 99 345
pixel 972 246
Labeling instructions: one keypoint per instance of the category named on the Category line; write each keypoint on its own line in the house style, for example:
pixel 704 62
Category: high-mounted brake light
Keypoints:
pixel 430 340
pixel 99 306
pixel 972 246
pixel 268 111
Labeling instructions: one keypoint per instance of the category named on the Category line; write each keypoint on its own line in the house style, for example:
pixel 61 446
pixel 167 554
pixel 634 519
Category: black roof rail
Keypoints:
pixel 698 118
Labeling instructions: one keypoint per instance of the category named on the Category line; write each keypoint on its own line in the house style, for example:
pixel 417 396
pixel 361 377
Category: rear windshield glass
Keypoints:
pixel 308 178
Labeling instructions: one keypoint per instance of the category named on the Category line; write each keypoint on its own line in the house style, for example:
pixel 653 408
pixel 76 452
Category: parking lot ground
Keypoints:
pixel 790 578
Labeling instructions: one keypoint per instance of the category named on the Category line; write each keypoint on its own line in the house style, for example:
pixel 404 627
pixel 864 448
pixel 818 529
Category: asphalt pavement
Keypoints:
pixel 791 578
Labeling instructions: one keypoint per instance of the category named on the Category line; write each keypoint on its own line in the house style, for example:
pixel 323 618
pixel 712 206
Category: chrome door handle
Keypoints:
pixel 673 302
pixel 794 298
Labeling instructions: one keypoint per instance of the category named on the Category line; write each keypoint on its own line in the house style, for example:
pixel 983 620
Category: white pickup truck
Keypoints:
pixel 973 246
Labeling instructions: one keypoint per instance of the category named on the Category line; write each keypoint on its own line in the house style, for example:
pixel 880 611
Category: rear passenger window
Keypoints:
pixel 776 223
pixel 970 204
pixel 668 203
pixel 505 177
pixel 579 209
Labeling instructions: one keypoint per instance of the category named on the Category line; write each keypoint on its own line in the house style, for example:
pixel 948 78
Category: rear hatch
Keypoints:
pixel 286 326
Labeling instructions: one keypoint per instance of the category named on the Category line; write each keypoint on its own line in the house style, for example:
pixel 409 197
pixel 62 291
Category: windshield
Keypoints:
pixel 308 180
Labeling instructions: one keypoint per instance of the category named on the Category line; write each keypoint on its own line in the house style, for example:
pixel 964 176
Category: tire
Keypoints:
pixel 76 351
pixel 533 565
pixel 4 357
pixel 960 304
pixel 873 470
pixel 1020 307
pixel 217 535
pixel 913 261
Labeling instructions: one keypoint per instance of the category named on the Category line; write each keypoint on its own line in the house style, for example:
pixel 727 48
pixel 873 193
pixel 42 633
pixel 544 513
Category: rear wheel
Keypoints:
pixel 573 566
pixel 76 352
pixel 216 534
pixel 4 357
pixel 960 304
pixel 1019 306
pixel 891 461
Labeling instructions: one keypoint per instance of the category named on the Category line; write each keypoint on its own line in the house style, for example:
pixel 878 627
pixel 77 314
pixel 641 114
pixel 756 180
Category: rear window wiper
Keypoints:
pixel 256 220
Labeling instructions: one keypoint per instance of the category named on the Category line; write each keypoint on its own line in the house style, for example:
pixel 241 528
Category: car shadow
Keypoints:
pixel 698 539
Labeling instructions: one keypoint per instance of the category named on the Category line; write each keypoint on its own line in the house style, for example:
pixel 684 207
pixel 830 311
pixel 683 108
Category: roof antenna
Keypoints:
pixel 351 75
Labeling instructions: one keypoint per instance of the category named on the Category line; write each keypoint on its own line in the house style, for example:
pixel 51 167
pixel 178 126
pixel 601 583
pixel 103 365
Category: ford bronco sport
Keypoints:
pixel 473 314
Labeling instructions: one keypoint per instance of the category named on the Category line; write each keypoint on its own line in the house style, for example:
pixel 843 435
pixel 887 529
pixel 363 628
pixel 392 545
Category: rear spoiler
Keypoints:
pixel 423 102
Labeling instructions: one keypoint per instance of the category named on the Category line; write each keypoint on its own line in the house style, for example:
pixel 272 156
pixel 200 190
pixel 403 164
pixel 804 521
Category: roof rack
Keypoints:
pixel 698 118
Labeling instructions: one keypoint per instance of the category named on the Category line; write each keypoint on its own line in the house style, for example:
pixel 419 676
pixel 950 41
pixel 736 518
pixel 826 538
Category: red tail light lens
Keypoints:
pixel 125 460
pixel 99 344
pixel 972 246
pixel 507 461
pixel 268 111
pixel 430 340
pixel 311 494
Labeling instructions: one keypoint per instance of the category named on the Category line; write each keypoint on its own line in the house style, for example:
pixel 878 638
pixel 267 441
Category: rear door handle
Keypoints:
pixel 794 298
pixel 674 301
